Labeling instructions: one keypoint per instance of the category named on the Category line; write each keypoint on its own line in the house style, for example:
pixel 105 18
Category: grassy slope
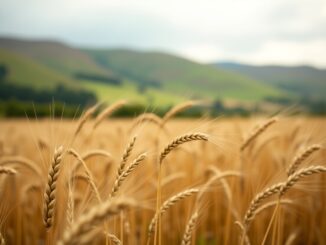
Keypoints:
pixel 182 76
pixel 46 63
pixel 27 72
pixel 55 55
pixel 129 91
pixel 302 80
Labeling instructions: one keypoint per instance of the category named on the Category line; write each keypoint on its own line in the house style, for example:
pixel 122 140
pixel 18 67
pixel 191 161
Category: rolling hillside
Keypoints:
pixel 181 76
pixel 301 80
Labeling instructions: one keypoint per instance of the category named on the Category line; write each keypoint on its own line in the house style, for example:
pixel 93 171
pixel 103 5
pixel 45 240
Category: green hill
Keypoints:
pixel 145 77
pixel 300 80
pixel 25 71
pixel 181 76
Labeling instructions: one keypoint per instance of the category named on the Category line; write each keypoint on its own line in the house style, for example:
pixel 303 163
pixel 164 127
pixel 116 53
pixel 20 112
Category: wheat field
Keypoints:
pixel 152 180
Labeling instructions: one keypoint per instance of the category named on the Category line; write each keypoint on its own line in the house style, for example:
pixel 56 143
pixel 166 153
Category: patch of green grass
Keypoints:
pixel 130 92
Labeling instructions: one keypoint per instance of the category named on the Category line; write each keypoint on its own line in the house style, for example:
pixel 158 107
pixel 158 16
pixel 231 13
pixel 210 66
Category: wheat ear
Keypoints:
pixel 167 204
pixel 7 170
pixel 301 157
pixel 181 140
pixel 294 178
pixel 108 111
pixel 114 239
pixel 126 155
pixel 120 179
pixel 259 130
pixel 186 240
pixel 50 189
pixel 94 216
pixel 258 199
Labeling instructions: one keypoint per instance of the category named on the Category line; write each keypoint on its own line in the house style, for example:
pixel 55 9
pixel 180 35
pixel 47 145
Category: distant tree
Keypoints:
pixel 3 72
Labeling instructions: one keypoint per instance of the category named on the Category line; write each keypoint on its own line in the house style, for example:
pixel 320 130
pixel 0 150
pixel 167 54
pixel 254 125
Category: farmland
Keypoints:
pixel 161 180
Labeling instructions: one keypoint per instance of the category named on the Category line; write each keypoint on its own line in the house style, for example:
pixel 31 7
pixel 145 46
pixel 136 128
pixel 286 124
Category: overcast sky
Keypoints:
pixel 255 31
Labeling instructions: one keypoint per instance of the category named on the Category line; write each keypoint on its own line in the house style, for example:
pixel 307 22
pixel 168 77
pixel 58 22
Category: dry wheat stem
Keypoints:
pixel 85 117
pixel 244 235
pixel 181 140
pixel 96 152
pixel 88 174
pixel 301 157
pixel 186 240
pixel 7 170
pixel 121 178
pixel 108 111
pixel 126 155
pixel 167 204
pixel 257 132
pixel 217 176
pixel 23 161
pixel 94 216
pixel 50 189
pixel 271 204
pixel 179 108
pixel 147 117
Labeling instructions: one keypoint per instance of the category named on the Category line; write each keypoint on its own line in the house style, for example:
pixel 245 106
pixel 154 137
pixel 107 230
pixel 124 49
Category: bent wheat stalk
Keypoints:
pixel 179 141
pixel 50 190
pixel 118 182
pixel 259 130
pixel 108 111
pixel 166 205
pixel 179 108
pixel 294 178
pixel 301 157
pixel 24 162
pixel 88 174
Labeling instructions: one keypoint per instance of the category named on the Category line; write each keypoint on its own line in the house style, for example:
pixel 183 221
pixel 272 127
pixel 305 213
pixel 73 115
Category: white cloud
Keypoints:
pixel 205 30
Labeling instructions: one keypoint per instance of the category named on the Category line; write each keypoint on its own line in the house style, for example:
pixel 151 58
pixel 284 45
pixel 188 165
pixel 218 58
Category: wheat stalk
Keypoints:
pixel 120 179
pixel 179 108
pixel 179 141
pixel 255 133
pixel 87 115
pixel 167 204
pixel 88 173
pixel 50 189
pixel 294 178
pixel 301 157
pixel 147 117
pixel 24 162
pixel 94 216
pixel 97 152
pixel 186 240
pixel 108 111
